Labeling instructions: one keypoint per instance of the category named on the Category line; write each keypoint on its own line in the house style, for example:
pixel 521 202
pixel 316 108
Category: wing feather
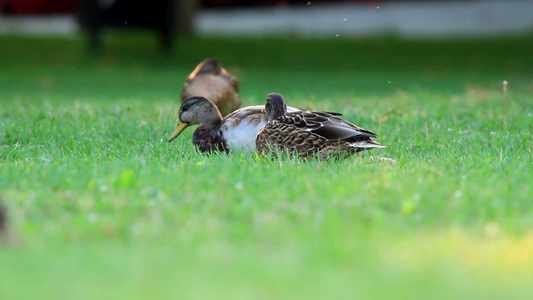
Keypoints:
pixel 326 125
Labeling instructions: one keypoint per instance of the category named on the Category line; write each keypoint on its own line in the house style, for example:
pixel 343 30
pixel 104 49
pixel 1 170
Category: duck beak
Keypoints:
pixel 181 126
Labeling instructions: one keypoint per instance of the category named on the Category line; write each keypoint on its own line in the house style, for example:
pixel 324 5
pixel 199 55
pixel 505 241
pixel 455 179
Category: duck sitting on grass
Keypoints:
pixel 209 79
pixel 234 133
pixel 307 134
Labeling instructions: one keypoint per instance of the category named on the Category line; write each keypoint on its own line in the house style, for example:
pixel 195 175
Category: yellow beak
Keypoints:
pixel 181 126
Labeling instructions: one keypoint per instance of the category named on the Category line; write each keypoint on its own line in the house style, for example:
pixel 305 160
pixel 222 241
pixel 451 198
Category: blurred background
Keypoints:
pixel 171 18
pixel 79 49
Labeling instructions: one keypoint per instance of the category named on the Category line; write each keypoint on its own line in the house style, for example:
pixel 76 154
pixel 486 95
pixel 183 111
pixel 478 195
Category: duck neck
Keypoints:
pixel 208 140
pixel 212 124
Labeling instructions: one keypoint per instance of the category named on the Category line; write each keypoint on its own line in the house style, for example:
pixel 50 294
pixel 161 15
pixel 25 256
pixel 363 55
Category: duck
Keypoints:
pixel 307 134
pixel 233 133
pixel 210 80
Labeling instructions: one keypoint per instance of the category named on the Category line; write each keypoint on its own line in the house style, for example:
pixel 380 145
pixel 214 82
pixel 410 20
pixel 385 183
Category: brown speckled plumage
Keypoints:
pixel 306 134
pixel 210 80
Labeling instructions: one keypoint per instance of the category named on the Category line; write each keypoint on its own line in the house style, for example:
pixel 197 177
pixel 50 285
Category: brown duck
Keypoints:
pixel 210 80
pixel 307 134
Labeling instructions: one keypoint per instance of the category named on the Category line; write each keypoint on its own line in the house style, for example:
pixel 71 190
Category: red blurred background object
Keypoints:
pixel 48 7
pixel 38 7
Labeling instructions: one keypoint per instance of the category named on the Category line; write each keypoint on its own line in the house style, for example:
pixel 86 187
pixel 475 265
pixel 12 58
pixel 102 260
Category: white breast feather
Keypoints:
pixel 242 137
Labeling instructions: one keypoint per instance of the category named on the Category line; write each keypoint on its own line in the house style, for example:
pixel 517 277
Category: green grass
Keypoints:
pixel 100 206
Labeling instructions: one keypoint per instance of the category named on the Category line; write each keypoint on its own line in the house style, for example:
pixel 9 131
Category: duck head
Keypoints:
pixel 275 106
pixel 197 111
pixel 209 65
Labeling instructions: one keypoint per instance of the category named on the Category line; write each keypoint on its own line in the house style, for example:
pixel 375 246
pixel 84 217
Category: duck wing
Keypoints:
pixel 230 79
pixel 326 125
pixel 247 112
pixel 255 110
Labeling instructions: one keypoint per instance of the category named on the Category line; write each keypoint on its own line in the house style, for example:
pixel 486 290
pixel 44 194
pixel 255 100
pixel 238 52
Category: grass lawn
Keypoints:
pixel 101 206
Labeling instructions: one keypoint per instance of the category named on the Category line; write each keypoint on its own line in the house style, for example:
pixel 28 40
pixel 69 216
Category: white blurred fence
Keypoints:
pixel 409 19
